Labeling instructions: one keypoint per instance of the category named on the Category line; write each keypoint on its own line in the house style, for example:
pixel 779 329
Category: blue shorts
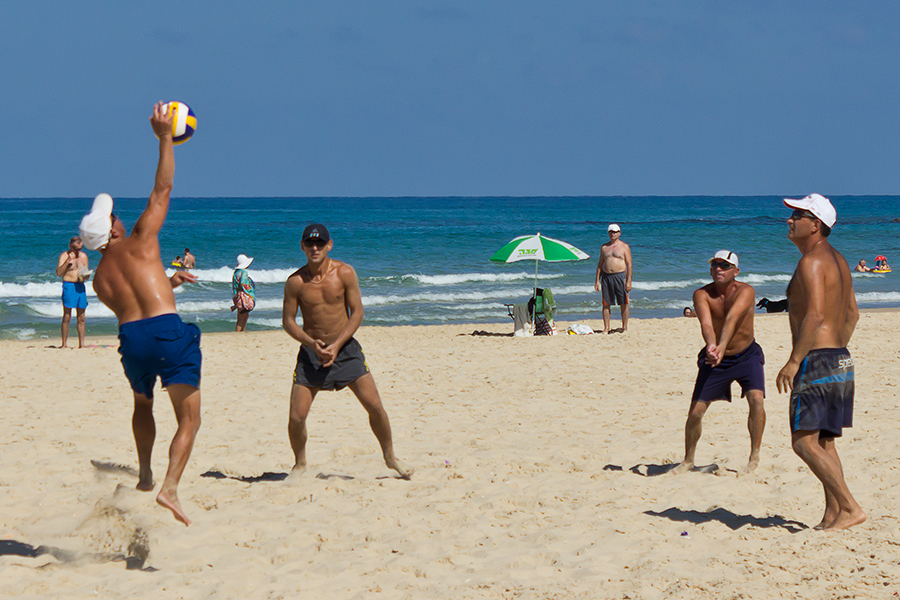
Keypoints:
pixel 163 347
pixel 822 396
pixel 74 294
pixel 714 383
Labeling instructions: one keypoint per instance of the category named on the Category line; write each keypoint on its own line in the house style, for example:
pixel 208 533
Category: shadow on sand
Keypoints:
pixel 267 476
pixel 134 562
pixel 728 518
pixel 655 470
pixel 483 333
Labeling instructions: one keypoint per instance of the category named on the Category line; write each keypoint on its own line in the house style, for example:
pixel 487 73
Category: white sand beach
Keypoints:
pixel 532 458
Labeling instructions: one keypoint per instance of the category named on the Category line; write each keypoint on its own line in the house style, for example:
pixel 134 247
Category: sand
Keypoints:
pixel 535 462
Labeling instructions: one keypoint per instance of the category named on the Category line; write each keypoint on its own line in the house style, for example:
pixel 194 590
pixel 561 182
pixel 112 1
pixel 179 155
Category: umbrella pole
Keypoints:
pixel 534 294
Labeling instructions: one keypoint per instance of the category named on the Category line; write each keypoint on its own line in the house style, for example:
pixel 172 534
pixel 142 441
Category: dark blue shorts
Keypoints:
pixel 164 347
pixel 745 367
pixel 822 396
pixel 349 366
pixel 74 295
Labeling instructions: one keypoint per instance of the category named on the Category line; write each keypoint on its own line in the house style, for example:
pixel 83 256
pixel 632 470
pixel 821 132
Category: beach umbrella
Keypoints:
pixel 537 248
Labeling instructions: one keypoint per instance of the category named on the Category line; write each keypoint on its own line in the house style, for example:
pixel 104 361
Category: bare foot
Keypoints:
pixel 684 467
pixel 845 520
pixel 170 500
pixel 145 481
pixel 296 472
pixel 405 472
pixel 751 464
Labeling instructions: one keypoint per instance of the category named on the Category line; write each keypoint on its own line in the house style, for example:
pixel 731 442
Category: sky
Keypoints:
pixel 466 98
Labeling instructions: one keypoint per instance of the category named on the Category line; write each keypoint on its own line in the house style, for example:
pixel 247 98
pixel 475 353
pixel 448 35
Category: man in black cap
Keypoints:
pixel 326 291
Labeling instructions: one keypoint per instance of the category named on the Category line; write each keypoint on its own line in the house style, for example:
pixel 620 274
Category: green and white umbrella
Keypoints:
pixel 537 248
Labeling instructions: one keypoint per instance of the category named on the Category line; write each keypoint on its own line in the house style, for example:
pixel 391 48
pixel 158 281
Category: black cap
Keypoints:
pixel 316 231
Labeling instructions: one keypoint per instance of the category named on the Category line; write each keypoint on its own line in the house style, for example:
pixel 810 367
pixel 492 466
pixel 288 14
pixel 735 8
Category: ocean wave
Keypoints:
pixel 224 274
pixel 457 278
pixel 54 309
pixel 37 290
pixel 878 297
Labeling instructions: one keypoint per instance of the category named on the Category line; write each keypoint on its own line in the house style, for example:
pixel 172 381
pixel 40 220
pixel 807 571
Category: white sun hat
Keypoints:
pixel 818 205
pixel 96 225
pixel 243 261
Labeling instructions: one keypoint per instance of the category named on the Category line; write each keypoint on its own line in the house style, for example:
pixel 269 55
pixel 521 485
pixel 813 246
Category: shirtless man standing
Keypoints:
pixel 326 291
pixel 614 275
pixel 819 372
pixel 725 309
pixel 71 267
pixel 153 341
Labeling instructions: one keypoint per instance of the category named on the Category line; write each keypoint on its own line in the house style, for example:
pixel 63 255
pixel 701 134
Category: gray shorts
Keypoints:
pixel 349 366
pixel 612 286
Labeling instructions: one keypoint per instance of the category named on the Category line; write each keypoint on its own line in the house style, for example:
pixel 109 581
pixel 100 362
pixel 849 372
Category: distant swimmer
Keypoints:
pixel 72 266
pixel 819 373
pixel 688 312
pixel 614 275
pixel 188 260
pixel 153 341
pixel 861 267
pixel 725 310
pixel 326 291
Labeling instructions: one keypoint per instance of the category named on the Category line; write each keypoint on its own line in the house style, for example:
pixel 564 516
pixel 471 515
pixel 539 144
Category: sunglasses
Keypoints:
pixel 314 242
pixel 721 265
pixel 799 214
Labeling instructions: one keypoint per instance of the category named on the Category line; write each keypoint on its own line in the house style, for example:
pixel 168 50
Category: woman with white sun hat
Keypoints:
pixel 243 292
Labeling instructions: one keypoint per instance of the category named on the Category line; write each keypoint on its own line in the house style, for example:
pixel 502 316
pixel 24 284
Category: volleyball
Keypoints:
pixel 184 122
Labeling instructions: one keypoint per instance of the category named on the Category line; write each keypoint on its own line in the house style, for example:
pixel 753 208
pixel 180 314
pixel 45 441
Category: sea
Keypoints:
pixel 424 261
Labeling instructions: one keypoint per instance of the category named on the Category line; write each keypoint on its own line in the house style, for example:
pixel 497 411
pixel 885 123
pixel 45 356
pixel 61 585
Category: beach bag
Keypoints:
pixel 244 302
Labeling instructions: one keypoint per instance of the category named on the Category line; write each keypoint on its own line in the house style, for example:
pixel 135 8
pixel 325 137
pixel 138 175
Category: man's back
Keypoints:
pixel 131 281
pixel 822 283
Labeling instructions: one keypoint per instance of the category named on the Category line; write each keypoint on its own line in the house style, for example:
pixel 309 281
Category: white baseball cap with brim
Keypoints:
pixel 243 261
pixel 613 227
pixel 96 225
pixel 726 255
pixel 818 205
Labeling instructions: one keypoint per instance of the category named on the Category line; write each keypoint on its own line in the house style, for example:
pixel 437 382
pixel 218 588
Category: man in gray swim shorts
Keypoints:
pixel 326 292
pixel 614 276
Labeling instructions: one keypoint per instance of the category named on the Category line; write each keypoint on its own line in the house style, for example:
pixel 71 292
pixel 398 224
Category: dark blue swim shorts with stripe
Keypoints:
pixel 164 347
pixel 822 397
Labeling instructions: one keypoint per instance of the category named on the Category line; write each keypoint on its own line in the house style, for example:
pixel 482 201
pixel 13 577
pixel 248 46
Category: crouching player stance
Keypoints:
pixel 154 342
pixel 326 291
pixel 725 310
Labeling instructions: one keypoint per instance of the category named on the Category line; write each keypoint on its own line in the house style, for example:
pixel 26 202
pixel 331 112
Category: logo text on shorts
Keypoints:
pixel 845 363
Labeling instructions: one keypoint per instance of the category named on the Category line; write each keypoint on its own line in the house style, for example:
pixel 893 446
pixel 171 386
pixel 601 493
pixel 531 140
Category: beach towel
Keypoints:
pixel 522 320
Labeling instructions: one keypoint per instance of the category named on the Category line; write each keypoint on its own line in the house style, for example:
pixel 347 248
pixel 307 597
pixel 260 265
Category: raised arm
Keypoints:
pixel 66 262
pixel 151 221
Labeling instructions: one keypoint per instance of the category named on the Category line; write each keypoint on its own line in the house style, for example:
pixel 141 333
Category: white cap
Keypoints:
pixel 613 227
pixel 243 261
pixel 726 255
pixel 96 225
pixel 818 205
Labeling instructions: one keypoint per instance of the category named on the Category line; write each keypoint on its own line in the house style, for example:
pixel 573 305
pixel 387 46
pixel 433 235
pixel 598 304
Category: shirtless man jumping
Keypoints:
pixel 725 310
pixel 326 291
pixel 153 341
pixel 614 275
pixel 72 266
pixel 819 372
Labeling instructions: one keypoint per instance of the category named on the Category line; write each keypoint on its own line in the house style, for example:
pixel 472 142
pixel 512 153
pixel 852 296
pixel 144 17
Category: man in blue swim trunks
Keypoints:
pixel 72 267
pixel 725 311
pixel 326 292
pixel 819 373
pixel 154 342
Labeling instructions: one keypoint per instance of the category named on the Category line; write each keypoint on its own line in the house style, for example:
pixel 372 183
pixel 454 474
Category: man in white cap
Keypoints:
pixel 154 342
pixel 819 373
pixel 731 354
pixel 614 275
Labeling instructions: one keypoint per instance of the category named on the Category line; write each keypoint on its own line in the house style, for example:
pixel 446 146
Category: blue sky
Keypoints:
pixel 367 98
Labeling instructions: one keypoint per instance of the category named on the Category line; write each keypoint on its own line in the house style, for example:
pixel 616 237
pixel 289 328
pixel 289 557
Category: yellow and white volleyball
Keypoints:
pixel 184 122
